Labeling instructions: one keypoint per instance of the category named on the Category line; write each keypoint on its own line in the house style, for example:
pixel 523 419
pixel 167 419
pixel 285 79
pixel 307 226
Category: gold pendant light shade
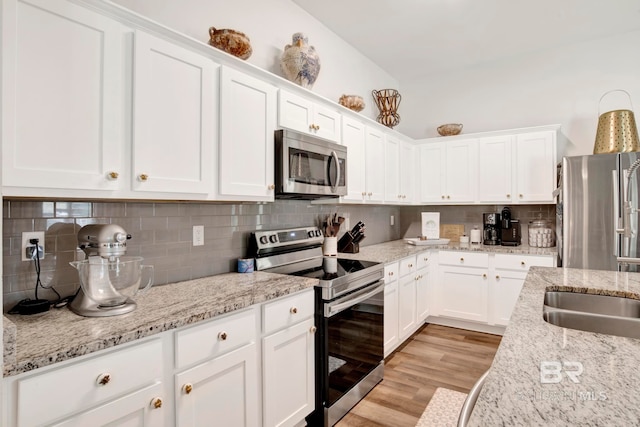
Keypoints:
pixel 617 131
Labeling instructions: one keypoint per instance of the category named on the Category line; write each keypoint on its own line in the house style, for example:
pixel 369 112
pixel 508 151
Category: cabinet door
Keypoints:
pixel 289 375
pixel 494 169
pixel 407 172
pixel 374 165
pixel 431 172
pixel 63 97
pixel 144 408
pixel 247 125
pixel 406 306
pixel 327 123
pixel 462 292
pixel 391 312
pixel 536 167
pixel 223 391
pixel 174 133
pixel 392 171
pixel 460 171
pixel 353 137
pixel 294 112
pixel 423 284
pixel 505 291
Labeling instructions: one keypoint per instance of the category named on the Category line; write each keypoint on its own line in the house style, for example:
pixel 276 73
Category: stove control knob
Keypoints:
pixel 273 238
pixel 311 233
pixel 264 240
pixel 317 233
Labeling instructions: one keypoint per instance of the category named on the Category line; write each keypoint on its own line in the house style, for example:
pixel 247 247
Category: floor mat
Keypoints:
pixel 443 409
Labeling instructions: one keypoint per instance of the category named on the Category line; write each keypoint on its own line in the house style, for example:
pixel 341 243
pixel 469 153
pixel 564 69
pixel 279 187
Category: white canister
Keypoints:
pixel 330 246
pixel 476 235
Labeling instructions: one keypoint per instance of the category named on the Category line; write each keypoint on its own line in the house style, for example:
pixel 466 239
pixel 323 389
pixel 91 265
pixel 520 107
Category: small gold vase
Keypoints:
pixel 617 131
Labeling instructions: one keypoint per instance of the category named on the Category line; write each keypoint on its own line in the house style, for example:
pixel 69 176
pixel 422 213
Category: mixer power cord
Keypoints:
pixel 29 306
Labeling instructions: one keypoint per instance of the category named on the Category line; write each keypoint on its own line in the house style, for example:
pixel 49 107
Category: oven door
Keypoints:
pixel 308 167
pixel 353 327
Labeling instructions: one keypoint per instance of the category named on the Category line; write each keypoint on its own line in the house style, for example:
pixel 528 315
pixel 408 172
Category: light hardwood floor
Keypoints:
pixel 435 356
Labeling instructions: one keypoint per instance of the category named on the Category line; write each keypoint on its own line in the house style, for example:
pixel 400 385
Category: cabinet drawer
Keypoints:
pixel 288 311
pixel 44 397
pixel 522 262
pixel 407 265
pixel 423 260
pixel 466 259
pixel 391 272
pixel 215 337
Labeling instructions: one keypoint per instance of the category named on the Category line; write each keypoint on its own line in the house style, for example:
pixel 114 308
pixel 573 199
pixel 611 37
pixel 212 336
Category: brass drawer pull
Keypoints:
pixel 222 336
pixel 103 379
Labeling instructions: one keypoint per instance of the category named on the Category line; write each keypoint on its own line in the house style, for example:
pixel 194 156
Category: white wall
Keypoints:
pixel 560 85
pixel 269 24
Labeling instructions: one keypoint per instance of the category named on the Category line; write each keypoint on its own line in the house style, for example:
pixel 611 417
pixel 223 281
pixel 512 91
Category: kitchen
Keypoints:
pixel 162 232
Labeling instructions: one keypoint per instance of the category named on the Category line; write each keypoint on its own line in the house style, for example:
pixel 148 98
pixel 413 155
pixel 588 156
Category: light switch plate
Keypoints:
pixel 198 235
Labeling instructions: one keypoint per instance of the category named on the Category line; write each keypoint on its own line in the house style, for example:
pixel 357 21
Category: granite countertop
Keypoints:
pixel 606 392
pixel 398 249
pixel 31 342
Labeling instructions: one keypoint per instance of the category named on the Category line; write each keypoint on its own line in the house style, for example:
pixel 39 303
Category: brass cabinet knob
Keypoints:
pixel 417 278
pixel 410 265
pixel 497 277
pixel 391 273
pixel 156 403
pixel 311 126
pixel 103 379
pixel 271 187
pixel 364 193
pixel 222 336
pixel 520 195
pixel 143 177
pixel 522 263
pixel 370 194
pixel 293 310
pixel 508 196
pixel 188 388
pixel 461 259
pixel 113 175
pixel 484 275
pixel 313 329
pixel 448 197
pixel 443 196
pixel 426 258
pixel 404 196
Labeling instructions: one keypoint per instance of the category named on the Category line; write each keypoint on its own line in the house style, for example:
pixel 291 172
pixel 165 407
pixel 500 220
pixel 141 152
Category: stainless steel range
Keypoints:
pixel 349 315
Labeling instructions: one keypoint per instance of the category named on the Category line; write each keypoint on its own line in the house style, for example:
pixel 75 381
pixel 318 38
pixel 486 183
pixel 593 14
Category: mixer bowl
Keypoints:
pixel 112 283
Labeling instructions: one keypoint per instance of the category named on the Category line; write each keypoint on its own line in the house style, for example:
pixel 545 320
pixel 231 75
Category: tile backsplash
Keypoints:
pixel 162 234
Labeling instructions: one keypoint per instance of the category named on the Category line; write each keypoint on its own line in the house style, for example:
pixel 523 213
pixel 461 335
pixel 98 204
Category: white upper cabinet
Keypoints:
pixel 353 136
pixel 247 125
pixel 431 157
pixel 408 175
pixel 535 167
pixel 399 172
pixel 63 97
pixel 374 165
pixel 174 118
pixel 448 171
pixel 304 115
pixel 495 169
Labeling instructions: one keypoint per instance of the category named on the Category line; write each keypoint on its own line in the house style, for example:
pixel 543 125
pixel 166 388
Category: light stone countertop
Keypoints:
pixel 398 249
pixel 606 394
pixel 57 335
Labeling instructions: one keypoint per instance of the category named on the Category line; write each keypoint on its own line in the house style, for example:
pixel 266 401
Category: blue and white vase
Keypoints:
pixel 300 63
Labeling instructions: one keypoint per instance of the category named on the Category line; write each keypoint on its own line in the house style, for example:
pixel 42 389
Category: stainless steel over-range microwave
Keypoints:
pixel 308 167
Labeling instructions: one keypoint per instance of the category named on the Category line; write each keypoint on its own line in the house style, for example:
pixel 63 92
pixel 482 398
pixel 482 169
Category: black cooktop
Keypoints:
pixel 329 268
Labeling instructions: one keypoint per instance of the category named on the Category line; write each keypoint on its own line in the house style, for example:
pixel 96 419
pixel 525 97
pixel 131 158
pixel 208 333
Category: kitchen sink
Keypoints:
pixel 597 304
pixel 602 314
pixel 599 323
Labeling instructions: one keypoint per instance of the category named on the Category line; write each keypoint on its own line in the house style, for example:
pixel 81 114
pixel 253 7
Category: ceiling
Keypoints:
pixel 411 39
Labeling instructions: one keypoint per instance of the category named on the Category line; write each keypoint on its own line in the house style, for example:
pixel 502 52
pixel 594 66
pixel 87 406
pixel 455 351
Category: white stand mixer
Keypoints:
pixel 108 279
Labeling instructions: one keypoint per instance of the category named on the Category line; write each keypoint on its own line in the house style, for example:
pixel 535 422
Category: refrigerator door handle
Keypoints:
pixel 618 226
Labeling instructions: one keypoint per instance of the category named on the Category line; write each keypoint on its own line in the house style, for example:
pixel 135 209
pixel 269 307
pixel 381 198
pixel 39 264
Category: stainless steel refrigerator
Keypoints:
pixel 598 211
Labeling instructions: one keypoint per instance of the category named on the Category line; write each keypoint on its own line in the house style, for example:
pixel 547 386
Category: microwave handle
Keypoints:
pixel 335 157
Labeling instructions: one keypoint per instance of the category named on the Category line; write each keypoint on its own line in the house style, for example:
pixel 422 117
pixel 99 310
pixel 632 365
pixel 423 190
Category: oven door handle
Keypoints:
pixel 353 299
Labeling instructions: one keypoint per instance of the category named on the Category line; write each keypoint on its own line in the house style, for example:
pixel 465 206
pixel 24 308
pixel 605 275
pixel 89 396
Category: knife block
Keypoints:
pixel 347 245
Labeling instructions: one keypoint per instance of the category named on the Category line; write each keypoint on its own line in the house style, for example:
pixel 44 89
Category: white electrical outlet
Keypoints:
pixel 346 223
pixel 392 220
pixel 198 235
pixel 28 235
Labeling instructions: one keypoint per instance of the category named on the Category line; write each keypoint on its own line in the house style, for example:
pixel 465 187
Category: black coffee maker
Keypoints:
pixel 492 228
pixel 510 235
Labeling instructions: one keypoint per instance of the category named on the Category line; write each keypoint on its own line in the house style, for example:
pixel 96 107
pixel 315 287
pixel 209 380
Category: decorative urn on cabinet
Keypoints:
pixel 300 63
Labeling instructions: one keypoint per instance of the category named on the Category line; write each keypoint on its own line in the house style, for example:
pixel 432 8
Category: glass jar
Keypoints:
pixel 541 235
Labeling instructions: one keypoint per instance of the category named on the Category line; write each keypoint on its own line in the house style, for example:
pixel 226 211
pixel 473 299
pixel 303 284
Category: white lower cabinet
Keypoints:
pixel 406 306
pixel 206 374
pixel 288 389
pixel 461 291
pixel 391 308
